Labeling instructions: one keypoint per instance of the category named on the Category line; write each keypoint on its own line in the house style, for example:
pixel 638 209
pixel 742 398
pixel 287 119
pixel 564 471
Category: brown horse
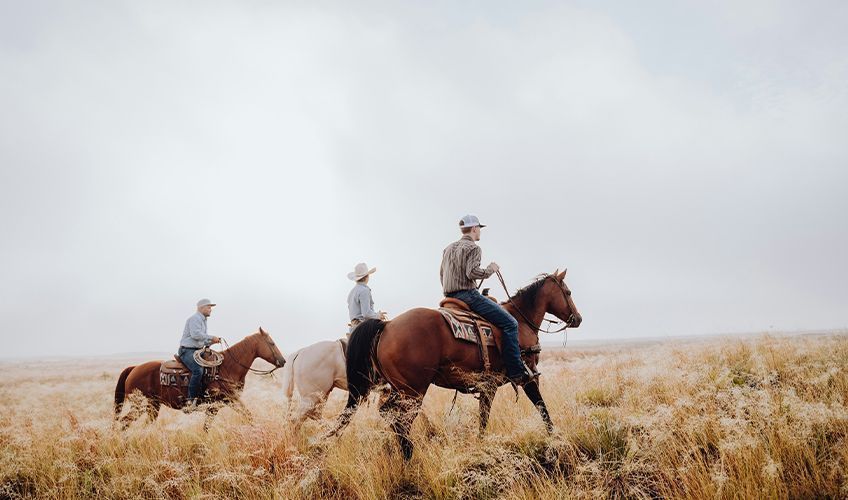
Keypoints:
pixel 225 389
pixel 418 349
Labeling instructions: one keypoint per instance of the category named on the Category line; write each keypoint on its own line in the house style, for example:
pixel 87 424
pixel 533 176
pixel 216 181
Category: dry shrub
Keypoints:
pixel 720 418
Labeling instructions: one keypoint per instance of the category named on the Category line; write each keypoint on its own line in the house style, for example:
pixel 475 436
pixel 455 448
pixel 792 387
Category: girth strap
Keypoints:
pixel 533 349
pixel 484 350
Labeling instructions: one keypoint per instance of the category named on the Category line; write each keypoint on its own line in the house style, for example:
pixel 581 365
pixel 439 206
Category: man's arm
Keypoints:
pixel 472 265
pixel 195 331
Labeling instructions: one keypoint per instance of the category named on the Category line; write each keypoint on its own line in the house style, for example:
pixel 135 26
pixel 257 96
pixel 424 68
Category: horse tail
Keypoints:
pixel 120 390
pixel 288 376
pixel 360 368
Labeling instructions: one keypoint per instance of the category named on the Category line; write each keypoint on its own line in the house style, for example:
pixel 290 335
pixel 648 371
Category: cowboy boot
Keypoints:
pixel 190 406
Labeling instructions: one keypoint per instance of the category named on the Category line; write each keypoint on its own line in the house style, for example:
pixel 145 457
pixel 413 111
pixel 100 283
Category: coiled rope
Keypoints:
pixel 217 358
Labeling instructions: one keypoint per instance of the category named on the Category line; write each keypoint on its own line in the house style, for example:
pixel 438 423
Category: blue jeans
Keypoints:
pixel 498 316
pixel 195 384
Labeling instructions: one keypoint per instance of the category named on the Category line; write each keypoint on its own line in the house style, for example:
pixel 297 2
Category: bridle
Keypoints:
pixel 535 327
pixel 258 372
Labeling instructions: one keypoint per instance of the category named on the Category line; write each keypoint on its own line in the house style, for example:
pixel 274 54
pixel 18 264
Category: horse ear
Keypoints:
pixel 261 330
pixel 562 276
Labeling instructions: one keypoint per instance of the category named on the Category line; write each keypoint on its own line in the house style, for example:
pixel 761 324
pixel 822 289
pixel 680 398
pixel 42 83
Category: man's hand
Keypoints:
pixel 384 316
pixel 216 340
pixel 494 267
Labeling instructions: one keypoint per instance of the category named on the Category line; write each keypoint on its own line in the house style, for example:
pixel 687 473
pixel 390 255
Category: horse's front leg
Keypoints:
pixel 487 395
pixel 241 409
pixel 531 389
pixel 211 411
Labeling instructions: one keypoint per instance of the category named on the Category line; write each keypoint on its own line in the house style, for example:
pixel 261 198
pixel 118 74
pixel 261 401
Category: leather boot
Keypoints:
pixel 190 406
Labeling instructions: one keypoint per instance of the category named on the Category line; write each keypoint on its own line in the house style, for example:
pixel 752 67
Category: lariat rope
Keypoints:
pixel 218 358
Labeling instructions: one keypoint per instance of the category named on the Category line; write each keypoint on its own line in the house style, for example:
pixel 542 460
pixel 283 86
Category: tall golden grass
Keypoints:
pixel 717 419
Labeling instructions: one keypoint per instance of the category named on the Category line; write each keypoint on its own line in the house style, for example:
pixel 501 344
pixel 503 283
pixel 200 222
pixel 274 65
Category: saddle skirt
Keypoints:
pixel 465 324
pixel 174 372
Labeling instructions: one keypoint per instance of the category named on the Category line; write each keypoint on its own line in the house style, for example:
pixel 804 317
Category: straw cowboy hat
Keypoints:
pixel 360 271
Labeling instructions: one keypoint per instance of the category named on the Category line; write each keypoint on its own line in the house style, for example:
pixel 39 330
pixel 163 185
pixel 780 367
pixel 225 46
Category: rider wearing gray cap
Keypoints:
pixel 460 268
pixel 194 338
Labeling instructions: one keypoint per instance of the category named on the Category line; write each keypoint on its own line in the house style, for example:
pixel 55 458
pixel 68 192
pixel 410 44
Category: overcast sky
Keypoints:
pixel 686 161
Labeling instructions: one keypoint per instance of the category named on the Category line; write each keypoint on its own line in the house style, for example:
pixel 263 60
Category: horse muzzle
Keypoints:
pixel 574 320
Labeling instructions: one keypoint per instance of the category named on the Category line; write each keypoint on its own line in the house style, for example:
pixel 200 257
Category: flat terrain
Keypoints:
pixel 710 418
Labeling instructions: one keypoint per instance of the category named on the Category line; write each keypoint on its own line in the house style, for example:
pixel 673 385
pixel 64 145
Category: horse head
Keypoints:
pixel 268 350
pixel 547 295
pixel 560 303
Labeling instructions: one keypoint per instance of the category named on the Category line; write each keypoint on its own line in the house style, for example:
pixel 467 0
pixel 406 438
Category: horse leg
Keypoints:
pixel 487 395
pixel 238 405
pixel 531 389
pixel 429 429
pixel 317 407
pixel 309 407
pixel 211 411
pixel 131 416
pixel 401 411
pixel 153 409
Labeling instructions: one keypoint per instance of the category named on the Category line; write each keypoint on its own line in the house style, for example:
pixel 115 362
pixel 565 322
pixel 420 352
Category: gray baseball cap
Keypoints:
pixel 205 302
pixel 470 221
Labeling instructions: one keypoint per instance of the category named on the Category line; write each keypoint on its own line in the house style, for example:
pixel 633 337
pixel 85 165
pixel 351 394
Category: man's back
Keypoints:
pixel 461 265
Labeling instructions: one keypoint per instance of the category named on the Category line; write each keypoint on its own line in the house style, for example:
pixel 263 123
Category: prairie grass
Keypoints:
pixel 752 418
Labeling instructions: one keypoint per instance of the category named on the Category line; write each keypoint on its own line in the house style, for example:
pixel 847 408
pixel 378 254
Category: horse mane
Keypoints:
pixel 529 292
pixel 238 349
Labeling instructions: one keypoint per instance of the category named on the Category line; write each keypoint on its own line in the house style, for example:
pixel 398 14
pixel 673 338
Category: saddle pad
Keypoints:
pixel 174 373
pixel 464 328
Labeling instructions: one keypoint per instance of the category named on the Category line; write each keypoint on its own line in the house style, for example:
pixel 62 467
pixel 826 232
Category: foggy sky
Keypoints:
pixel 687 162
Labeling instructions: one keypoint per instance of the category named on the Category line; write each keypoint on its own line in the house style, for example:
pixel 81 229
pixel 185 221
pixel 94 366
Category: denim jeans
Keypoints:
pixel 498 316
pixel 195 384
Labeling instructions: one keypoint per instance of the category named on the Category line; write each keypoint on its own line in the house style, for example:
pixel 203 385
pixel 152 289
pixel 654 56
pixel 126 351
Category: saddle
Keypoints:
pixel 469 326
pixel 174 372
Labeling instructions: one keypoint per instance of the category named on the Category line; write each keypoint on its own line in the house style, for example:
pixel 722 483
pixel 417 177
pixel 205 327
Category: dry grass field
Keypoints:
pixel 753 418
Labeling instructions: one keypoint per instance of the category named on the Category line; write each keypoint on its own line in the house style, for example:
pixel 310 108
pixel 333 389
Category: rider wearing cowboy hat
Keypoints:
pixel 460 268
pixel 360 305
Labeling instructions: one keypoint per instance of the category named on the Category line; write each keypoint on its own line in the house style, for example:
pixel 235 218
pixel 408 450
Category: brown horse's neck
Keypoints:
pixel 238 359
pixel 533 311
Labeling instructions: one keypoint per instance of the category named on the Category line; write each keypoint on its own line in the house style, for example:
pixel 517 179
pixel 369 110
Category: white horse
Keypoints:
pixel 314 371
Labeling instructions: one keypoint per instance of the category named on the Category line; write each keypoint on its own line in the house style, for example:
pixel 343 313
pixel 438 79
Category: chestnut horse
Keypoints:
pixel 418 349
pixel 225 389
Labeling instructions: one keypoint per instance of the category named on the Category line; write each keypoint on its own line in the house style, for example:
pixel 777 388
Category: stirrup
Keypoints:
pixel 190 406
pixel 526 377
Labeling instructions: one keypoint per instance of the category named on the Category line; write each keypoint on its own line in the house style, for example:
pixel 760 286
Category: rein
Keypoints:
pixel 537 328
pixel 258 372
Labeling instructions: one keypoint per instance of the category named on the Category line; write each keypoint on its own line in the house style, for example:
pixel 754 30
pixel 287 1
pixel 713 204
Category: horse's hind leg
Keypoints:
pixel 309 406
pixel 401 411
pixel 211 411
pixel 487 395
pixel 153 409
pixel 131 415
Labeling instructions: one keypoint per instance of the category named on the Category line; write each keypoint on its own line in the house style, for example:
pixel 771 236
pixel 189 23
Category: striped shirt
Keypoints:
pixel 461 265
